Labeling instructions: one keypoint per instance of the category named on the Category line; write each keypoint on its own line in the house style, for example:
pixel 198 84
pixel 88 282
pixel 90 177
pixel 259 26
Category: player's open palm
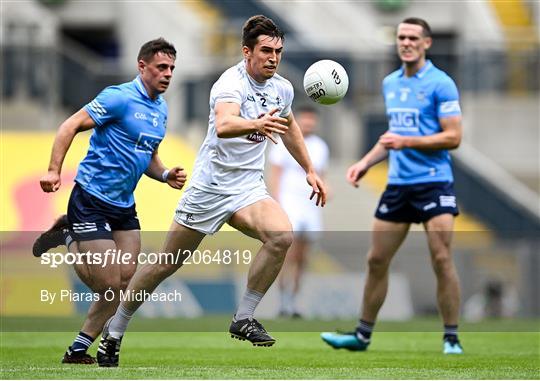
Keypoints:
pixel 356 172
pixel 50 182
pixel 177 177
pixel 270 123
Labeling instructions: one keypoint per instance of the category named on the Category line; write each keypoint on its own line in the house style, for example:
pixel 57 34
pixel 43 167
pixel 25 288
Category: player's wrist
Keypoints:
pixel 408 142
pixel 165 175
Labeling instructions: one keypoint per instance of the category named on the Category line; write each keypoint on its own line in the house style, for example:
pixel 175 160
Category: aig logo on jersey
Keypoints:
pixel 404 119
pixel 147 143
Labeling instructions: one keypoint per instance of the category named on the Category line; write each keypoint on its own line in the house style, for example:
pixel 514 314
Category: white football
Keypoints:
pixel 326 82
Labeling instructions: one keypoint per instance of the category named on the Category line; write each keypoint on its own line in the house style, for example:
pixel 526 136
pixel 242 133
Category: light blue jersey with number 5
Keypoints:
pixel 129 128
pixel 414 106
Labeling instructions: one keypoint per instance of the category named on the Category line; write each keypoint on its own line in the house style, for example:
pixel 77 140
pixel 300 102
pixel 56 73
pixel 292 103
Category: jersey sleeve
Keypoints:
pixel 109 105
pixel 447 97
pixel 228 90
pixel 288 97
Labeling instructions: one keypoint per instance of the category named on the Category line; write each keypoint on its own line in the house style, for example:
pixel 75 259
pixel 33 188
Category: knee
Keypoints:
pixel 164 270
pixel 377 263
pixel 101 286
pixel 125 278
pixel 279 242
pixel 441 263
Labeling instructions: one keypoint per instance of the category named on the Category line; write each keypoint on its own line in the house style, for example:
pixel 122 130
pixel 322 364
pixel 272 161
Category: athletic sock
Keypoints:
pixel 247 305
pixel 450 332
pixel 120 321
pixel 364 329
pixel 82 342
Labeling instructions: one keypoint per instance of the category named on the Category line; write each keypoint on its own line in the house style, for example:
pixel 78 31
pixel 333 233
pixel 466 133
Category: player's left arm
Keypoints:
pixel 448 138
pixel 294 142
pixel 175 177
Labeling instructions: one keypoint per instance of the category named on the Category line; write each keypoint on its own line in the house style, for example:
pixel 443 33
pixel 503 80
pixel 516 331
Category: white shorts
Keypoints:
pixel 305 217
pixel 206 212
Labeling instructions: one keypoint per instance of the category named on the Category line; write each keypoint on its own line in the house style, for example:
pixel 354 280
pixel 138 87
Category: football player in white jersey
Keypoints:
pixel 248 105
pixel 288 187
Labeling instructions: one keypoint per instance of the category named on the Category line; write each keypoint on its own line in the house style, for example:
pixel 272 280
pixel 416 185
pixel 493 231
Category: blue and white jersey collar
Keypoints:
pixel 420 73
pixel 139 85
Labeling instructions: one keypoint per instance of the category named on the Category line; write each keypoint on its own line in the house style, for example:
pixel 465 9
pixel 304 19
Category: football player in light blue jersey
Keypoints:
pixel 129 123
pixel 424 122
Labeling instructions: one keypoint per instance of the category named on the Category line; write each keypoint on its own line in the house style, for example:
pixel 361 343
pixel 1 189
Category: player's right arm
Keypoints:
pixel 356 171
pixel 80 121
pixel 229 123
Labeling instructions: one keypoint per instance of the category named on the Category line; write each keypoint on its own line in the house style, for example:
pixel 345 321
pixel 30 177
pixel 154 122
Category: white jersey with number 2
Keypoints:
pixel 235 165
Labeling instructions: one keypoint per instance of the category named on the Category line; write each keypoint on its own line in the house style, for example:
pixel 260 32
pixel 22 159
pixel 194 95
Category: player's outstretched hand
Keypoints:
pixel 50 182
pixel 389 140
pixel 319 188
pixel 176 177
pixel 270 123
pixel 356 172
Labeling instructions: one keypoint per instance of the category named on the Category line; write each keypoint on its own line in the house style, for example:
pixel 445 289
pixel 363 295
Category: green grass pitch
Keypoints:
pixel 410 350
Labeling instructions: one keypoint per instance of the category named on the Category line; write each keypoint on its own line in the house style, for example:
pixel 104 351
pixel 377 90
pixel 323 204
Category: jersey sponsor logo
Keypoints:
pixel 448 107
pixel 447 201
pixel 97 108
pixel 403 119
pixel 147 143
pixel 256 137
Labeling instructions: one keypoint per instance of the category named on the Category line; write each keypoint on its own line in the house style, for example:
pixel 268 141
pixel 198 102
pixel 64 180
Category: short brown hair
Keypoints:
pixel 257 26
pixel 159 45
pixel 418 21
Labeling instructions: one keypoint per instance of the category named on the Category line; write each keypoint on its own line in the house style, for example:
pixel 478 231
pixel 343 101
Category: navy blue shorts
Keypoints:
pixel 91 218
pixel 417 203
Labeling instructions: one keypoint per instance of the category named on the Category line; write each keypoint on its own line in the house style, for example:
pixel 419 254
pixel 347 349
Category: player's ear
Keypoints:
pixel 427 43
pixel 141 65
pixel 246 51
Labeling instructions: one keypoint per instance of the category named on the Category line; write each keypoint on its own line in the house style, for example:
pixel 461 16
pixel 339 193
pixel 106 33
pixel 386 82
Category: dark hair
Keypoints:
pixel 257 26
pixel 159 45
pixel 306 108
pixel 418 21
